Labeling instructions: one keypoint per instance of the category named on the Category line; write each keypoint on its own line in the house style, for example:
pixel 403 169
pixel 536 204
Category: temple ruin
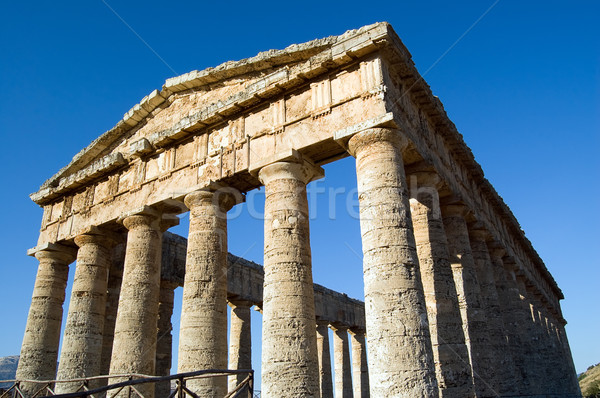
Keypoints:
pixel 457 301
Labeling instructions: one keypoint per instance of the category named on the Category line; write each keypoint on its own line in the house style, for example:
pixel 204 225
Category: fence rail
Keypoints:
pixel 45 388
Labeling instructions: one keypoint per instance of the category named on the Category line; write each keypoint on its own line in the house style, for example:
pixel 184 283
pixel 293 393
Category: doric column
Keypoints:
pixel 134 345
pixel 520 319
pixel 203 333
pixel 469 299
pixel 453 369
pixel 39 351
pixel 360 372
pixel 325 379
pixel 503 364
pixel 571 378
pixel 341 356
pixel 81 353
pixel 400 353
pixel 240 340
pixel 289 337
pixel 115 276
pixel 164 339
pixel 508 310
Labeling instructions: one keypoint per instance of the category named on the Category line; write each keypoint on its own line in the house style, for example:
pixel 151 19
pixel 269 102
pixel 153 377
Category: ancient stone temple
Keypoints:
pixel 457 301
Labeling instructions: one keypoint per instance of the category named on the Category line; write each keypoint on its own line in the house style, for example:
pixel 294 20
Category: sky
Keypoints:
pixel 521 81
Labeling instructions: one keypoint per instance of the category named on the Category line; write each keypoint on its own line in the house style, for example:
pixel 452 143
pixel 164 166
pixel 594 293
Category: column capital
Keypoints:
pixel 357 331
pixel 322 322
pixel 455 209
pixel 235 303
pixel 302 170
pixel 144 216
pixel 429 179
pixel 497 252
pixel 477 231
pixel 98 236
pixel 338 327
pixel 370 136
pixel 55 251
pixel 223 197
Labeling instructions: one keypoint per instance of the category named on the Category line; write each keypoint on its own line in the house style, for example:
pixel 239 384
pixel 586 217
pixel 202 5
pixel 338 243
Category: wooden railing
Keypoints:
pixel 44 389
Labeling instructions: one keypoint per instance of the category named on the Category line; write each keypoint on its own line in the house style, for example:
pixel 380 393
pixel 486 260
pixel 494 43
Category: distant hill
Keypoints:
pixel 8 369
pixel 589 381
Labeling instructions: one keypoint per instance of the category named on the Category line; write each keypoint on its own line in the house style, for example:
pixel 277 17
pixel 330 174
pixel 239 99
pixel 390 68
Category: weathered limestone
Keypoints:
pixel 325 379
pixel 134 345
pixel 289 354
pixel 203 333
pixel 450 352
pixel 39 351
pixel 110 316
pixel 240 340
pixel 508 309
pixel 520 320
pixel 164 340
pixel 81 354
pixel 360 372
pixel 341 355
pixel 498 348
pixel 250 122
pixel 400 353
pixel 469 299
pixel 528 328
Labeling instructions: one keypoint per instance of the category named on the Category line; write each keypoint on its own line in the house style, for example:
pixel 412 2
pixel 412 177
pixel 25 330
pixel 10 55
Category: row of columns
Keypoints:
pixel 441 316
pixel 351 379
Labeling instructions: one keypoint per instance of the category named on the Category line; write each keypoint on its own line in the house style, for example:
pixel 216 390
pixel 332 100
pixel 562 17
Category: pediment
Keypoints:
pixel 195 100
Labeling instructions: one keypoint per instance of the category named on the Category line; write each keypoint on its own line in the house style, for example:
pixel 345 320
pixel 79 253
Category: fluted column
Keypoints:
pixel 203 333
pixel 343 370
pixel 325 379
pixel 289 336
pixel 503 365
pixel 450 352
pixel 469 299
pixel 240 340
pixel 82 342
pixel 400 353
pixel 164 340
pixel 360 372
pixel 134 345
pixel 39 351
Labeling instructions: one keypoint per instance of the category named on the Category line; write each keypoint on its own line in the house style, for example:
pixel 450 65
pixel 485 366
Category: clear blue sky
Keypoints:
pixel 522 86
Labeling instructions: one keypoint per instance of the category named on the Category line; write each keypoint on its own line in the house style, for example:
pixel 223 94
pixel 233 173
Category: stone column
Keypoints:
pixel 325 379
pixel 469 299
pixel 240 340
pixel 164 339
pixel 360 372
pixel 508 310
pixel 290 365
pixel 39 351
pixel 571 378
pixel 134 345
pixel 503 365
pixel 520 320
pixel 81 353
pixel 203 333
pixel 115 276
pixel 528 331
pixel 452 362
pixel 343 370
pixel 400 353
